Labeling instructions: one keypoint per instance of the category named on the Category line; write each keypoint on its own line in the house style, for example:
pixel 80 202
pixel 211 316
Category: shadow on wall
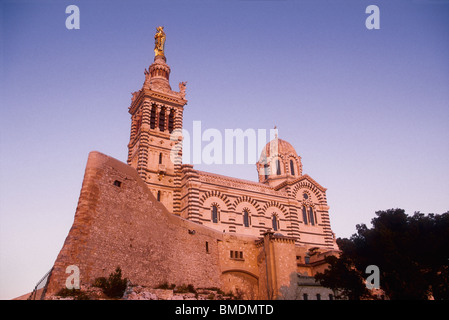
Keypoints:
pixel 290 292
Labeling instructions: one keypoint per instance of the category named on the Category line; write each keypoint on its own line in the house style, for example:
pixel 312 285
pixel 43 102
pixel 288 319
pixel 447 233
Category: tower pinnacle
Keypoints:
pixel 157 76
pixel 159 42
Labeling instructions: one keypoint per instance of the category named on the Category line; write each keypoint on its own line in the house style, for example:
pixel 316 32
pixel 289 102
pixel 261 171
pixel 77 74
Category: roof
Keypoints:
pixel 277 147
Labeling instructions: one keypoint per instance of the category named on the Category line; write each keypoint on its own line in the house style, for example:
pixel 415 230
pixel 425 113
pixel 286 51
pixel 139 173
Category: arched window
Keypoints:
pixel 311 218
pixel 171 121
pixel 162 119
pixel 266 170
pixel 292 168
pixel 246 218
pixel 304 215
pixel 275 222
pixel 158 196
pixel 153 117
pixel 306 259
pixel 214 214
pixel 278 167
pixel 160 158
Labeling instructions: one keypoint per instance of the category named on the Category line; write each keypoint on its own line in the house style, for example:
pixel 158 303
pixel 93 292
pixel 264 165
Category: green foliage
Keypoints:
pixel 100 282
pixel 114 286
pixel 77 294
pixel 345 281
pixel 185 289
pixel 412 253
pixel 166 286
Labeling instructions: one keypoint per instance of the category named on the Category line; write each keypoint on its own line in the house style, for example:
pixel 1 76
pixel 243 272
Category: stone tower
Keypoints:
pixel 154 147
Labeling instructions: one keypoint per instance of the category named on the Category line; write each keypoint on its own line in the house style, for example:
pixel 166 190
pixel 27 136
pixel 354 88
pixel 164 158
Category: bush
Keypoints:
pixel 185 289
pixel 166 286
pixel 100 282
pixel 77 294
pixel 114 286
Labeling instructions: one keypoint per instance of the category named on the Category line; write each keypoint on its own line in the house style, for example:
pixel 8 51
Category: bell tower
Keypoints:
pixel 154 147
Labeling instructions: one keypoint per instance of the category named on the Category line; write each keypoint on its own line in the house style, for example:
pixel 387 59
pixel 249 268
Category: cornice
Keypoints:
pixel 303 177
pixel 171 97
pixel 238 183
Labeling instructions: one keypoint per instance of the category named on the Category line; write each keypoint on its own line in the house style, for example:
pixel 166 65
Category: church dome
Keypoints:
pixel 277 147
pixel 278 161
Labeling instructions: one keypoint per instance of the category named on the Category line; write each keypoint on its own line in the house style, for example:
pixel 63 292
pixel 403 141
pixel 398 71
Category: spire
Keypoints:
pixel 157 76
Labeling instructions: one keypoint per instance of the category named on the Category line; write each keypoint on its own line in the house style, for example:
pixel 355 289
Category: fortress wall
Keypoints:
pixel 126 226
pixel 239 265
pixel 284 257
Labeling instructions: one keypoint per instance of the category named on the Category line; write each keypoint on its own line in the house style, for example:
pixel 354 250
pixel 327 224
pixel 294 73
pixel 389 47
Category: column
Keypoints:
pixel 142 161
pixel 167 114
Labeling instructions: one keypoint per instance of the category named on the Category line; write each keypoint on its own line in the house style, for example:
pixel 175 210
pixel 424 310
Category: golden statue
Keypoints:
pixel 159 41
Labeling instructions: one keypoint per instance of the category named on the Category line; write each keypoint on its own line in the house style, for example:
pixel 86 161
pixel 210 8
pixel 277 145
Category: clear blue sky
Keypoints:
pixel 367 110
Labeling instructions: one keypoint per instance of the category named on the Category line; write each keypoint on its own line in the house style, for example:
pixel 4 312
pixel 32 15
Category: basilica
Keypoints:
pixel 162 220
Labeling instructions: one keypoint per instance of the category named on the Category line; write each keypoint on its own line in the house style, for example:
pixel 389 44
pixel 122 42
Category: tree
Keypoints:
pixel 412 253
pixel 346 282
pixel 114 286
